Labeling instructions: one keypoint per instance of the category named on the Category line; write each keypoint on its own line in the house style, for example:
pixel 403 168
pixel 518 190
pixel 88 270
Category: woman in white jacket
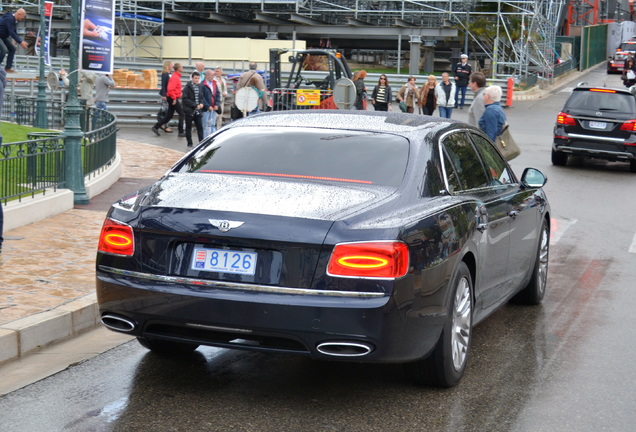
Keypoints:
pixel 445 92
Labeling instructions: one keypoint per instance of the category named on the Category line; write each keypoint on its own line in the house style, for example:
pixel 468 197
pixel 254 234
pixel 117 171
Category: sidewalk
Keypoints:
pixel 47 268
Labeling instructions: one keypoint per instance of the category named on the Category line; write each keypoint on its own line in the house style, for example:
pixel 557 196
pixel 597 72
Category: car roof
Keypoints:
pixel 370 121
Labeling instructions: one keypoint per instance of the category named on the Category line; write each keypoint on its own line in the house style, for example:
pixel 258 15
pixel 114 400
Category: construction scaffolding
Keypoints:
pixel 516 36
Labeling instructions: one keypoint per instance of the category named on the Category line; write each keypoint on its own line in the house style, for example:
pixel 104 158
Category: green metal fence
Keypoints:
pixel 35 166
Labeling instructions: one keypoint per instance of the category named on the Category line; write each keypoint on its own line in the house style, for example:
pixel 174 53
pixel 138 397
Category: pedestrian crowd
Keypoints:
pixel 199 103
pixel 484 112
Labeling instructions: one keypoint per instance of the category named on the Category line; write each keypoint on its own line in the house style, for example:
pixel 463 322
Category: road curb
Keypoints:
pixel 27 335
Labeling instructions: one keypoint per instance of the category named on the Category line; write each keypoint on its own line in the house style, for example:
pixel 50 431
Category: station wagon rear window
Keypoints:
pixel 304 154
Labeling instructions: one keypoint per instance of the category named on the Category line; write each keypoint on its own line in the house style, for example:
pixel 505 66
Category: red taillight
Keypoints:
pixel 382 259
pixel 603 90
pixel 565 119
pixel 116 238
pixel 629 126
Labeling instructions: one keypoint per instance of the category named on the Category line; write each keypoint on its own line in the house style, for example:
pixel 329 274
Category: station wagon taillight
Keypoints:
pixel 629 126
pixel 381 259
pixel 565 119
pixel 116 238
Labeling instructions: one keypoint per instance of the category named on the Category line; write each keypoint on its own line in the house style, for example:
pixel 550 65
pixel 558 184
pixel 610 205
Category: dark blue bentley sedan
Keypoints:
pixel 356 236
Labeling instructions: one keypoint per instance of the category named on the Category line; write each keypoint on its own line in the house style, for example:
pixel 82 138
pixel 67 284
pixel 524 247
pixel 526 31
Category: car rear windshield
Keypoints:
pixel 304 154
pixel 602 101
pixel 628 46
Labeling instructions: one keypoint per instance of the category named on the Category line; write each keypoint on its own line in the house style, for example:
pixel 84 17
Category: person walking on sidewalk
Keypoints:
pixel 165 78
pixel 173 94
pixel 381 97
pixel 445 92
pixel 428 100
pixel 8 32
pixel 193 106
pixel 493 119
pixel 211 96
pixel 409 94
pixel 253 79
pixel 477 84
pixel 462 74
pixel 103 84
pixel 221 84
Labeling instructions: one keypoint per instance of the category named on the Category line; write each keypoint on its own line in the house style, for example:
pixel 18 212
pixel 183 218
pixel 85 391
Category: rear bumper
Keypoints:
pixel 608 149
pixel 275 321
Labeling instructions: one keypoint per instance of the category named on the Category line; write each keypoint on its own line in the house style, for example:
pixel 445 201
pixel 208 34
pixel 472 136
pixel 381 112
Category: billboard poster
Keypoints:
pixel 96 36
pixel 48 17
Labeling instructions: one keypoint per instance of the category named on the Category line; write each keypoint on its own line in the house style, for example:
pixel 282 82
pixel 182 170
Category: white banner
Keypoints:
pixel 96 36
pixel 48 17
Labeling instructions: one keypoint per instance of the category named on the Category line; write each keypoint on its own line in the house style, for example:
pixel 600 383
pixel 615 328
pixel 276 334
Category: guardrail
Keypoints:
pixel 36 166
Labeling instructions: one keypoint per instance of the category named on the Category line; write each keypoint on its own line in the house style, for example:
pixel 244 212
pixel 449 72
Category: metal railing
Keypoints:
pixel 35 166
pixel 31 167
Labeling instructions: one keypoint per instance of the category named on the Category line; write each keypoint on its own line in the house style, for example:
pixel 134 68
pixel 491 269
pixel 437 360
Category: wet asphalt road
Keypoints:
pixel 565 365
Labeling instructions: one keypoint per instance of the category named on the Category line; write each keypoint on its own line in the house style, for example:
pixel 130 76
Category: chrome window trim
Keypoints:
pixel 237 286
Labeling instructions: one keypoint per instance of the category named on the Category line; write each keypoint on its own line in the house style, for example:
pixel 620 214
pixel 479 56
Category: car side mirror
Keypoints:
pixel 533 178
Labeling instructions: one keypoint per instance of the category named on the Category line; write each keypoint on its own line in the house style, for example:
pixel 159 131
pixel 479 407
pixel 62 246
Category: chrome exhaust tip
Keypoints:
pixel 344 349
pixel 118 323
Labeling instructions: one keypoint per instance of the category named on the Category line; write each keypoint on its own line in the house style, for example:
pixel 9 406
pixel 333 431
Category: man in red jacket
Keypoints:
pixel 173 95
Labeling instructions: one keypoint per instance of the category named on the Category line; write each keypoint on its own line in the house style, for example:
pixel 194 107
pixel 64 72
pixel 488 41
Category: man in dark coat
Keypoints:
pixel 192 100
pixel 462 74
pixel 7 32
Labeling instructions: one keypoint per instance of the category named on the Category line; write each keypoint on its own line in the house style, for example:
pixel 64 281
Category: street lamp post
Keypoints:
pixel 73 171
pixel 41 119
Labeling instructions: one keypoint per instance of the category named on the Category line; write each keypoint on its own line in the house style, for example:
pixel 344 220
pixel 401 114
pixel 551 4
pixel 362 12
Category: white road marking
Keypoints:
pixel 632 248
pixel 559 227
pixel 567 90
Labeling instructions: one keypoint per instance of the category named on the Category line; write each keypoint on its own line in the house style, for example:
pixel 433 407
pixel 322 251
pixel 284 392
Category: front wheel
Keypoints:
pixel 164 347
pixel 446 364
pixel 534 292
pixel 632 166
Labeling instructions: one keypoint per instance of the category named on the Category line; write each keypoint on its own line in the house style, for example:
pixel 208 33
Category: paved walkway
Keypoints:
pixel 47 269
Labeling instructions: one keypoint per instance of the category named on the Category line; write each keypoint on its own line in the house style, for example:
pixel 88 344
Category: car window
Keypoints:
pixel 601 101
pixel 496 167
pixel 304 154
pixel 462 156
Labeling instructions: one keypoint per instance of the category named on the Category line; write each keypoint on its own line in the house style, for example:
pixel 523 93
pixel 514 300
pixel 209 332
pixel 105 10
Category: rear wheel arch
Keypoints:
pixel 471 262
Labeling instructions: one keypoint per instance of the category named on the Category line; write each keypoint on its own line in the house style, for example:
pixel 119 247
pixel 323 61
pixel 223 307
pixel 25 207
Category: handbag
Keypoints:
pixel 163 111
pixel 403 106
pixel 235 113
pixel 506 144
pixel 630 74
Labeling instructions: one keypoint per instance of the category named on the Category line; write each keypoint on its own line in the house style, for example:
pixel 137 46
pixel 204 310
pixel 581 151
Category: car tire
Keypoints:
pixel 445 366
pixel 632 166
pixel 559 158
pixel 164 347
pixel 534 292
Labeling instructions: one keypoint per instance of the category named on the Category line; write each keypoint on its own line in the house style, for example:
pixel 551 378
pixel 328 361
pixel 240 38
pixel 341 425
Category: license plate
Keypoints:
pixel 598 125
pixel 224 261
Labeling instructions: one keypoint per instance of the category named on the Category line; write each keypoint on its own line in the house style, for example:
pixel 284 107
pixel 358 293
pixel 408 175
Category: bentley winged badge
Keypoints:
pixel 225 225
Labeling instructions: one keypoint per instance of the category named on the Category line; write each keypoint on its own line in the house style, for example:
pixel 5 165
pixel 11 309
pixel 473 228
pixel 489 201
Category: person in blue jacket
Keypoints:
pixel 493 119
pixel 8 31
